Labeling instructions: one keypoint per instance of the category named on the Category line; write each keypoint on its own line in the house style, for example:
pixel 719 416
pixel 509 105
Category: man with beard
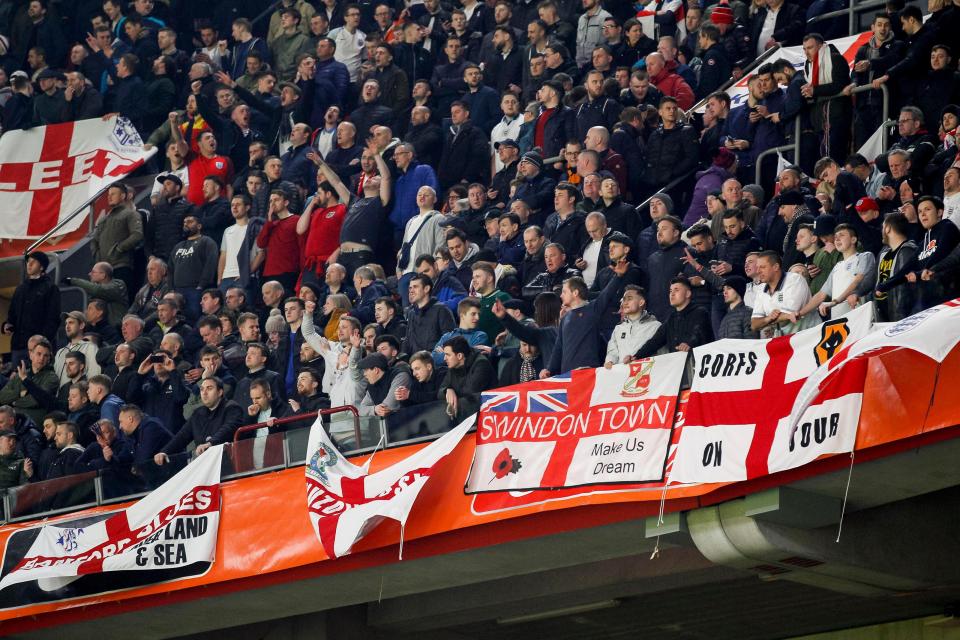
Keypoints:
pixel 193 265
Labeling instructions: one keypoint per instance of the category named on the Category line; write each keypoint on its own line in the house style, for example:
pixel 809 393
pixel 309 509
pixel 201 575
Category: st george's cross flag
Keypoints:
pixel 345 501
pixel 47 173
pixel 933 332
pixel 175 526
pixel 589 426
pixel 737 425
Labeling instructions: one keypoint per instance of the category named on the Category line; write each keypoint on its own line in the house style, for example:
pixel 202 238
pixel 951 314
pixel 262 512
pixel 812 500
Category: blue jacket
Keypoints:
pixel 110 409
pixel 405 193
pixel 165 400
pixel 473 336
pixel 537 192
pixel 512 251
pixel 149 439
pixel 484 108
pixel 363 311
pixel 448 290
pixel 333 84
pixel 298 169
pixel 579 343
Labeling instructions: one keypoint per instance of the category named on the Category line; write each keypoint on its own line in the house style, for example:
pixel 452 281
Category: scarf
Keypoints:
pixel 821 69
pixel 527 370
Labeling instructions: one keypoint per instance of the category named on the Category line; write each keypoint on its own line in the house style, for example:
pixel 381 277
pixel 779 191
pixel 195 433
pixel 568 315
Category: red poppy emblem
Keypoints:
pixel 505 464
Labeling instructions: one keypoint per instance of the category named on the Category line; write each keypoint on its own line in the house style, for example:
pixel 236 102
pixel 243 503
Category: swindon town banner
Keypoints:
pixel 738 423
pixel 591 426
pixel 174 527
pixel 346 501
pixel 47 173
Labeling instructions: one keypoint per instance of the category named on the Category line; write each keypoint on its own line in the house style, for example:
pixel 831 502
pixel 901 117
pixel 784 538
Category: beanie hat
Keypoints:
pixel 722 13
pixel 757 192
pixel 275 322
pixel 666 200
pixel 737 283
pixel 40 257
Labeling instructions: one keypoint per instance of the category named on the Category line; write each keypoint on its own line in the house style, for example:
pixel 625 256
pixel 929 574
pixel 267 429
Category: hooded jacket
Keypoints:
pixel 629 336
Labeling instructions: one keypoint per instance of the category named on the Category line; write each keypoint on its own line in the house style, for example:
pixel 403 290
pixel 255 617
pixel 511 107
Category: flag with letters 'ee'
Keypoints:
pixel 737 424
pixel 48 172
pixel 586 427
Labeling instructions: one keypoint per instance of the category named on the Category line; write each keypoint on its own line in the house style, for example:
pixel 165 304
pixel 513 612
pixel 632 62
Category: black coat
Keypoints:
pixel 427 141
pixel 789 28
pixel 35 308
pixel 164 227
pixel 206 426
pixel 671 153
pixel 465 157
pixel 662 267
pixel 690 326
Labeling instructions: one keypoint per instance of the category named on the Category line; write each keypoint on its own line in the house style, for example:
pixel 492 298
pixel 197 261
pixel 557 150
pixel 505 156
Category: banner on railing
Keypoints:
pixel 737 423
pixel 346 501
pixel 172 528
pixel 51 171
pixel 591 426
pixel 932 332
pixel 847 46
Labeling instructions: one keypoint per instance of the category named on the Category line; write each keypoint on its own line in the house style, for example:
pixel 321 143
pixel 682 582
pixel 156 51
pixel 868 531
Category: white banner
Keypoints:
pixel 345 502
pixel 737 421
pixel 175 526
pixel 596 426
pixel 847 46
pixel 47 173
pixel 932 332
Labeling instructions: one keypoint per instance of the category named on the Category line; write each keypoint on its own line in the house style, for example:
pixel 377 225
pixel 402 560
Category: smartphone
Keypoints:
pixel 157 357
pixel 714 263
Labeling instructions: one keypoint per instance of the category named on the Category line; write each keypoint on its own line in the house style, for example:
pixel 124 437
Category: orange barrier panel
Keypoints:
pixel 266 536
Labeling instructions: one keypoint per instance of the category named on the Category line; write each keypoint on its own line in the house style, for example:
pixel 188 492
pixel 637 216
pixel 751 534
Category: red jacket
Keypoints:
pixel 670 84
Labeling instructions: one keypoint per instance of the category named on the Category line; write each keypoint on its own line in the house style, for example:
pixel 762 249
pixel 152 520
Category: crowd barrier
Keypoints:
pixel 249 454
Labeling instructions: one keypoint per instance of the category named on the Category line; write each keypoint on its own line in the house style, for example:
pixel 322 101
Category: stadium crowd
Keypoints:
pixel 386 205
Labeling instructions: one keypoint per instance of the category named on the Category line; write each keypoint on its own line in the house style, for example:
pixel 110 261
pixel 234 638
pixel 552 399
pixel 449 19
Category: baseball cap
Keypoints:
pixel 867 204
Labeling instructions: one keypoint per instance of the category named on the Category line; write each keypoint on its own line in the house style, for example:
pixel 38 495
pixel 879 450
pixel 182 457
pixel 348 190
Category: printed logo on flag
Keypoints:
pixel 833 335
pixel 742 395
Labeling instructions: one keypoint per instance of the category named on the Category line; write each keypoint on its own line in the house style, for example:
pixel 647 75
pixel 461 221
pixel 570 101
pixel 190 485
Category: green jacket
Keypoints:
pixel 285 50
pixel 826 262
pixel 11 471
pixel 114 293
pixel 25 403
pixel 116 235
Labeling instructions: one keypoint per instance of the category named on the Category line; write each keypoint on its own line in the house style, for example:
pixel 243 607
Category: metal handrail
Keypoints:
pixel 263 14
pixel 296 418
pixel 851 11
pixel 729 83
pixel 795 146
pixel 60 225
pixel 666 187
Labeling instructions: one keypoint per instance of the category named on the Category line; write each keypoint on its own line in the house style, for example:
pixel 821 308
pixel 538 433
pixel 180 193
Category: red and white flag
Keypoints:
pixel 737 425
pixel 345 502
pixel 175 526
pixel 934 332
pixel 47 173
pixel 589 426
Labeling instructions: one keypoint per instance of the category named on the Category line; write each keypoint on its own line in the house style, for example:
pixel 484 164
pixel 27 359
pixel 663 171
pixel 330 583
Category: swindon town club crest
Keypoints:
pixel 322 459
pixel 638 380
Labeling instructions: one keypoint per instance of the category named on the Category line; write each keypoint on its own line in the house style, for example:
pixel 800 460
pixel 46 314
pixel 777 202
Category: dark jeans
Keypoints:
pixel 353 261
pixel 129 279
pixel 191 296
